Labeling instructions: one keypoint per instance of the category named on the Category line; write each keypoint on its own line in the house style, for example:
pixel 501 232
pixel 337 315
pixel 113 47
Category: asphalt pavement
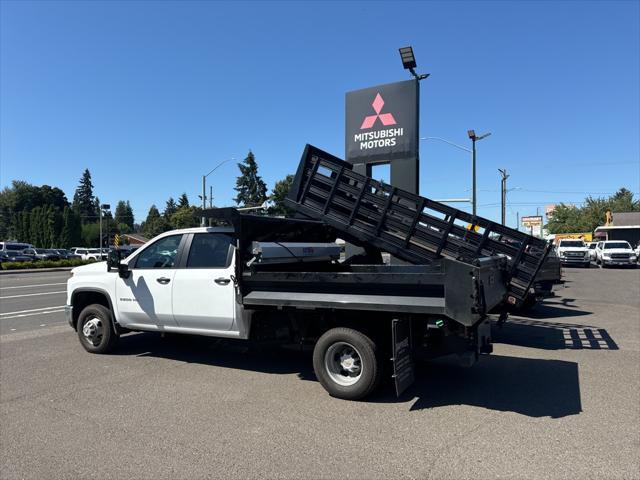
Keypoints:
pixel 558 398
pixel 31 301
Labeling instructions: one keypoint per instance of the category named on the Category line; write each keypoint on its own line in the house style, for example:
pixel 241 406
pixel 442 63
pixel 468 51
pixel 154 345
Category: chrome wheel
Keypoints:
pixel 343 363
pixel 93 331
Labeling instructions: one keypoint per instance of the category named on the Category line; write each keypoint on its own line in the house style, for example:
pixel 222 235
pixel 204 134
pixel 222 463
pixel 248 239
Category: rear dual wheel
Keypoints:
pixel 347 363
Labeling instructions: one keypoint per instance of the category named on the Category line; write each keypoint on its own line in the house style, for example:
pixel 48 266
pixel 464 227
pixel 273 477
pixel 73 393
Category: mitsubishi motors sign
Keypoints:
pixel 382 123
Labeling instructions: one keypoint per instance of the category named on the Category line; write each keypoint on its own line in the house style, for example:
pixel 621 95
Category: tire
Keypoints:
pixel 99 337
pixel 361 355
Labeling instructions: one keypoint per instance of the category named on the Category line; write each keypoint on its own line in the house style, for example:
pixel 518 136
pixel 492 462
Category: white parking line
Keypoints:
pixel 32 310
pixel 32 314
pixel 33 294
pixel 32 286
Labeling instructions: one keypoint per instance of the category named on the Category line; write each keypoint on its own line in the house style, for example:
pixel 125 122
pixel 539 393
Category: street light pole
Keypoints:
pixel 204 187
pixel 503 174
pixel 101 207
pixel 474 138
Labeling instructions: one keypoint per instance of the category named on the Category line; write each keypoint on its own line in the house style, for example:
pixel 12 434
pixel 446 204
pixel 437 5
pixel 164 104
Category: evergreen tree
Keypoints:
pixel 84 201
pixel 26 227
pixel 170 208
pixel 154 224
pixel 67 226
pixel 279 193
pixel 35 227
pixel 129 217
pixel 183 201
pixel 121 212
pixel 252 191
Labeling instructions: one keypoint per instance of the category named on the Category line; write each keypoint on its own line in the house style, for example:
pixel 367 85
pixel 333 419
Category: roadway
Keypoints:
pixel 30 301
pixel 558 398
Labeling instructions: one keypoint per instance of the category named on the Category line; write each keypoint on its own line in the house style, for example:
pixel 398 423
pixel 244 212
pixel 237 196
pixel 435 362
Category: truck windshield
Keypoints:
pixel 608 246
pixel 572 243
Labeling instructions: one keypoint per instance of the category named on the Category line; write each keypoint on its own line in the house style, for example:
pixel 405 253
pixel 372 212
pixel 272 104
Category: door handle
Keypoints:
pixel 222 281
pixel 163 280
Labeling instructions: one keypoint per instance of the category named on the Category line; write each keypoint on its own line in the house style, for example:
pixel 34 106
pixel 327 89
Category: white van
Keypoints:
pixel 13 247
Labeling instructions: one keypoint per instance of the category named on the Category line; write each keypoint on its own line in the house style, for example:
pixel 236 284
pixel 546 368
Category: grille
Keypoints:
pixel 619 255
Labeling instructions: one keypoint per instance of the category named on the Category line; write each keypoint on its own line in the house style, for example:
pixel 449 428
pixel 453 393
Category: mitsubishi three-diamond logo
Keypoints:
pixel 385 118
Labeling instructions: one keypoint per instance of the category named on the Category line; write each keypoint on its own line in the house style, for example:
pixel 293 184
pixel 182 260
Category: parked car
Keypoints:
pixel 573 252
pixel 67 254
pixel 13 247
pixel 14 257
pixel 615 252
pixel 89 254
pixel 41 254
pixel 592 251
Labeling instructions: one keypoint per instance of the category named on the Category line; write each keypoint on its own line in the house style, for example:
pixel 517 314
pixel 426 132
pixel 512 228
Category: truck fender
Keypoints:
pixel 105 294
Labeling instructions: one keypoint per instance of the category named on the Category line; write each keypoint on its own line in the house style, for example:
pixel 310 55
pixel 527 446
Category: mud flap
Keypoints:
pixel 403 374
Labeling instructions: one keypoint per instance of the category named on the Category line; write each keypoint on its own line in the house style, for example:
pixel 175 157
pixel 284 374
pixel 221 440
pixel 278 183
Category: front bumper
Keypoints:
pixel 618 261
pixel 68 313
pixel 572 260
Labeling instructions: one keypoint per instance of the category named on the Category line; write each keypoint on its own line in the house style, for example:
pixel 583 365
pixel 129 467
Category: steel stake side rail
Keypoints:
pixel 410 227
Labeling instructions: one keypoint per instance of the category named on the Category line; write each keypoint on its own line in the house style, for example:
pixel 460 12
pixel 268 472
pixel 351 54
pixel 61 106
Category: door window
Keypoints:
pixel 161 254
pixel 210 250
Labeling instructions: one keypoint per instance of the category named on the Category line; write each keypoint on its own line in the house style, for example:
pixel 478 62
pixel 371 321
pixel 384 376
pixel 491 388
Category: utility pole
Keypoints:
pixel 518 221
pixel 503 174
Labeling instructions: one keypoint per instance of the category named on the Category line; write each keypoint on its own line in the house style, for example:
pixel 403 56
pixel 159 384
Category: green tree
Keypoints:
pixel 124 214
pixel 154 223
pixel 569 218
pixel 184 217
pixel 170 208
pixel 66 235
pixel 279 193
pixel 91 235
pixel 35 227
pixel 183 201
pixel 84 203
pixel 252 191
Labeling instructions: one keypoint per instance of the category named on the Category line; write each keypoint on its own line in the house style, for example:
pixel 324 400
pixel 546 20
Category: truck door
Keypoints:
pixel 204 292
pixel 145 297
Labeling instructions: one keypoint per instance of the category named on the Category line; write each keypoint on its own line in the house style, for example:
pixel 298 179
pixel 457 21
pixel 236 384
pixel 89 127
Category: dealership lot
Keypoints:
pixel 558 399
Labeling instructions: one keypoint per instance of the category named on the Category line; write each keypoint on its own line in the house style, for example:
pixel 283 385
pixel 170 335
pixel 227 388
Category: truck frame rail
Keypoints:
pixel 410 227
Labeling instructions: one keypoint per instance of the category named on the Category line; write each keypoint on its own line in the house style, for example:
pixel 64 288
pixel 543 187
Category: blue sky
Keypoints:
pixel 151 95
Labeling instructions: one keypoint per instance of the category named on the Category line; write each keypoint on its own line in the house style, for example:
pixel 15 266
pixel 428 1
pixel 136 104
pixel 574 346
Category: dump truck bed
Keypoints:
pixel 446 288
pixel 410 227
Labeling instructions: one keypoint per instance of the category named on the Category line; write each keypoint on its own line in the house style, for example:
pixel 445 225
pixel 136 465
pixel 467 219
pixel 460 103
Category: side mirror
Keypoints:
pixel 123 270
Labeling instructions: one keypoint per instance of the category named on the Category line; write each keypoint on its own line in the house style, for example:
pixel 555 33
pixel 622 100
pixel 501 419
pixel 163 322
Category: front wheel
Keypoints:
pixel 347 363
pixel 95 329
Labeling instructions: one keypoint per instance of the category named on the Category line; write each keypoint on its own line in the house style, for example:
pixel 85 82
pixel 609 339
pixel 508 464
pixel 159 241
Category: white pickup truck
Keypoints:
pixel 252 282
pixel 615 252
pixel 282 280
pixel 574 252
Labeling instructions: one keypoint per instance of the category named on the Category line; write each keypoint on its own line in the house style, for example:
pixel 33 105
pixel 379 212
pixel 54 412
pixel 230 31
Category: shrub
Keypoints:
pixel 43 264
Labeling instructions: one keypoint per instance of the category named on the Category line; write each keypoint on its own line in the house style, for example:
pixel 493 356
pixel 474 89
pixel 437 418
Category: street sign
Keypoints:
pixel 116 240
pixel 534 224
pixel 533 221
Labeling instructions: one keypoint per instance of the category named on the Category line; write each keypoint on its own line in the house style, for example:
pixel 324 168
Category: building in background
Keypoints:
pixel 135 240
pixel 623 226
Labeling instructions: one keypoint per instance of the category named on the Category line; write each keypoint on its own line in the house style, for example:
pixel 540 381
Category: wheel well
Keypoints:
pixel 82 299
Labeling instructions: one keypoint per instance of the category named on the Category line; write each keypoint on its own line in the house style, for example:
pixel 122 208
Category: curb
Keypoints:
pixel 35 270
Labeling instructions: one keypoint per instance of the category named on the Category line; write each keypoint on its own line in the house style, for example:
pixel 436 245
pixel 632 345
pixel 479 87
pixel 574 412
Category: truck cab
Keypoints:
pixel 182 282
